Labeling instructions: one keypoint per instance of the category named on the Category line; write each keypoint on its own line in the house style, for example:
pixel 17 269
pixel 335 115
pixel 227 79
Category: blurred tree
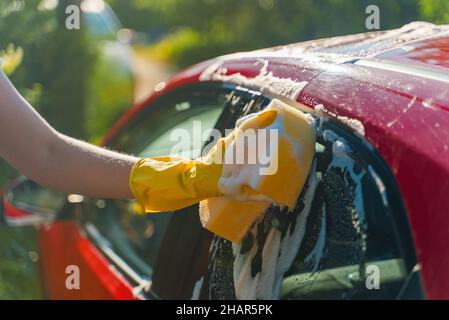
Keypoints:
pixel 32 26
pixel 435 10
pixel 12 57
pixel 62 62
pixel 136 15
pixel 110 93
pixel 49 66
pixel 56 61
pixel 13 43
pixel 18 257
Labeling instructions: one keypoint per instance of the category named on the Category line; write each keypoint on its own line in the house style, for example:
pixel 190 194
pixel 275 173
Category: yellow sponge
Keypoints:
pixel 230 219
pixel 247 192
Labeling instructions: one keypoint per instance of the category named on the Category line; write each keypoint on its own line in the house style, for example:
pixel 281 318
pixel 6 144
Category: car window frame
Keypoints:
pixel 179 267
pixel 412 287
pixel 398 219
pixel 203 238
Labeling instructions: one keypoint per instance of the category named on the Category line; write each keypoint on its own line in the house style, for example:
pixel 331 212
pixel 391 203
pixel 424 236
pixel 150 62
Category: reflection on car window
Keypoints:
pixel 163 144
pixel 339 242
pixel 136 237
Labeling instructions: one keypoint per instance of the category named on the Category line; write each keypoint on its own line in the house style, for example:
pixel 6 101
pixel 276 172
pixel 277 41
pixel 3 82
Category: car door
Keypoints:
pixel 113 245
pixel 347 238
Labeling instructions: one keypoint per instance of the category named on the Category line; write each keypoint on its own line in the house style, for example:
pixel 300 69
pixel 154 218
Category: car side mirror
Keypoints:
pixel 26 203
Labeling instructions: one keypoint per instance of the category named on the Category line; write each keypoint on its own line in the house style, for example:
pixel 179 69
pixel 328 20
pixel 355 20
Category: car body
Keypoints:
pixel 384 93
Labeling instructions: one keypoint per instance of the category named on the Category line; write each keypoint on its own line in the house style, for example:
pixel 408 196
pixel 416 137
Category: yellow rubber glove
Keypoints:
pixel 167 184
pixel 172 183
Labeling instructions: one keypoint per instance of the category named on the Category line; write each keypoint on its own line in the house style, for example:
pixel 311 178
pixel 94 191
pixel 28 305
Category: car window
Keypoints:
pixel 183 255
pixel 101 24
pixel 162 145
pixel 346 238
pixel 136 237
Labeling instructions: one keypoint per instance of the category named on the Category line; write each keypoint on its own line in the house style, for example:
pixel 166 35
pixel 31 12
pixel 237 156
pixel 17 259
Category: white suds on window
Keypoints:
pixel 277 255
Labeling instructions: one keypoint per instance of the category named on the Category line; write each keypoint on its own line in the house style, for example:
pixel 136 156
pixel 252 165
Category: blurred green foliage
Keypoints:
pixel 435 10
pixel 110 93
pixel 13 43
pixel 201 29
pixel 50 66
pixel 18 270
pixel 12 57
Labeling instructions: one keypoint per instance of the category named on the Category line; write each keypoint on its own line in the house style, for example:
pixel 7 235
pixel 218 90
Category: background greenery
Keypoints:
pixel 64 76
pixel 202 29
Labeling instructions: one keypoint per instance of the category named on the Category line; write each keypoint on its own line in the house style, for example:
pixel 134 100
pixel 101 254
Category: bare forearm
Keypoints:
pixel 56 161
pixel 79 167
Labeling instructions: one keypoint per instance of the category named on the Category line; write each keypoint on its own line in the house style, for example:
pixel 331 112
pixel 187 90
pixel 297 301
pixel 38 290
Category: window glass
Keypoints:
pixel 102 24
pixel 339 241
pixel 163 144
pixel 134 236
pixel 349 249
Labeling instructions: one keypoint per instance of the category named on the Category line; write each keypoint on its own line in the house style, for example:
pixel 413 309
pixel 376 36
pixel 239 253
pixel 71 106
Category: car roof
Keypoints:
pixel 418 42
pixel 420 48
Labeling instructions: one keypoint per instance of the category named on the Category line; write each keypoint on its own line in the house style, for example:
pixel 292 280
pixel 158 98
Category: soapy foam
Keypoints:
pixel 355 124
pixel 291 244
pixel 197 289
pixel 339 50
pixel 277 255
pixel 341 159
pixel 344 49
pixel 245 285
pixel 314 257
pixel 264 81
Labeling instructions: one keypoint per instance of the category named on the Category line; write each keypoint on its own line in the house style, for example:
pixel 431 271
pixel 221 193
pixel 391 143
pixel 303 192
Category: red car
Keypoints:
pixel 371 222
